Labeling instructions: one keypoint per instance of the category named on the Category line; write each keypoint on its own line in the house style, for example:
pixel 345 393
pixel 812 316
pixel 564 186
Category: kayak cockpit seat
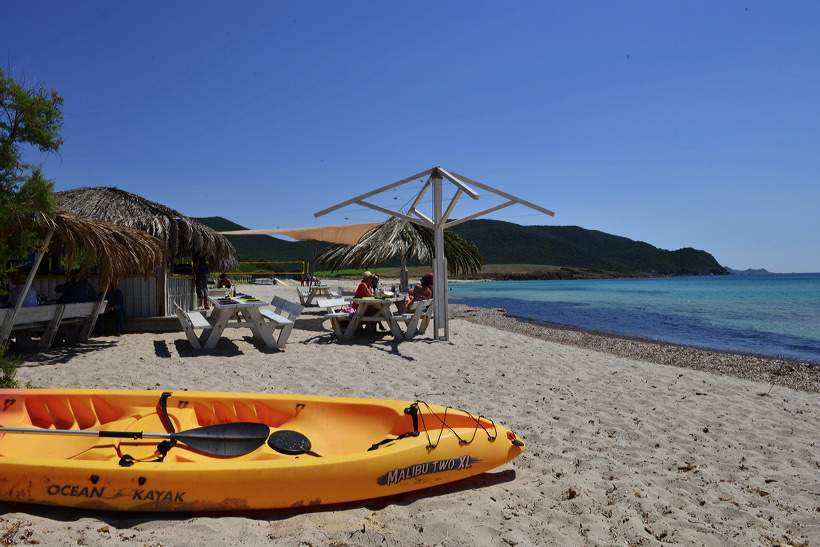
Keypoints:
pixel 413 412
pixel 330 426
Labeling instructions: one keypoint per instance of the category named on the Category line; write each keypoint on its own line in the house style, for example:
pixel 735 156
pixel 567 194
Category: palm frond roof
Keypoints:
pixel 183 235
pixel 117 250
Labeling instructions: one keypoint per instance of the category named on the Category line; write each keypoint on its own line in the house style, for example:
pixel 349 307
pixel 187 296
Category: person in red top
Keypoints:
pixel 365 290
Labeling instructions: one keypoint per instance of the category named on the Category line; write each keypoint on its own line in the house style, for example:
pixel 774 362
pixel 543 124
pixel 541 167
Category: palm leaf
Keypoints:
pixel 397 238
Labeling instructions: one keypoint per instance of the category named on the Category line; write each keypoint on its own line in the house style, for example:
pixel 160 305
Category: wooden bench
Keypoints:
pixel 35 321
pixel 331 304
pixel 283 316
pixel 338 320
pixel 416 322
pixel 303 296
pixel 191 321
pixel 80 319
pixel 75 321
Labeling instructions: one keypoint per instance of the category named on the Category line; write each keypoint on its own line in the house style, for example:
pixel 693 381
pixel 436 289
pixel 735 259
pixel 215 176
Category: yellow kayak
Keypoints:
pixel 129 450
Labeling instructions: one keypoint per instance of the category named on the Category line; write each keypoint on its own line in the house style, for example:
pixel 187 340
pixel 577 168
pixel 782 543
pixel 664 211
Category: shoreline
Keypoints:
pixel 796 375
pixel 619 450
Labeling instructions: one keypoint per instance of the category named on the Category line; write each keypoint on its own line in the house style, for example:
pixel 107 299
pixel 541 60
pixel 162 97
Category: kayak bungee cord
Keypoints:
pixel 444 425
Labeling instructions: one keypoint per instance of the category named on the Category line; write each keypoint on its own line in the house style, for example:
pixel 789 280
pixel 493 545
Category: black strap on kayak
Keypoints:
pixel 127 460
pixel 163 406
pixel 163 447
pixel 413 410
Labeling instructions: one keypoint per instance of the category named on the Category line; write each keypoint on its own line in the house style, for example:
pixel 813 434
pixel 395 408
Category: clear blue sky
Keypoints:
pixel 682 124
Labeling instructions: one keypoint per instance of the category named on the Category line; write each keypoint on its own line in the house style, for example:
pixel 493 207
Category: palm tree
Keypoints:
pixel 409 242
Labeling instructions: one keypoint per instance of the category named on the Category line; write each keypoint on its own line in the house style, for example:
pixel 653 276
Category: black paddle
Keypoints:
pixel 232 439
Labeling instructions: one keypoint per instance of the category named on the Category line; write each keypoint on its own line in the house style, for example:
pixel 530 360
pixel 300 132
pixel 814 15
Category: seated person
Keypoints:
pixel 422 291
pixel 115 307
pixel 365 290
pixel 18 279
pixel 223 282
pixel 76 291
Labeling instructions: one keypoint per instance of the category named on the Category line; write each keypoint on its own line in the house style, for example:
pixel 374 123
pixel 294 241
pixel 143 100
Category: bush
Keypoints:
pixel 8 369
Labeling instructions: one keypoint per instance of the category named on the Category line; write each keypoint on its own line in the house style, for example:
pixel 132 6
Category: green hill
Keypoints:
pixel 507 243
pixel 576 247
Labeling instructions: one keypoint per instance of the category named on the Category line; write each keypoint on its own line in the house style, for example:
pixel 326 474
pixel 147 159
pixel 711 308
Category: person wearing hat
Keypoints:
pixel 365 290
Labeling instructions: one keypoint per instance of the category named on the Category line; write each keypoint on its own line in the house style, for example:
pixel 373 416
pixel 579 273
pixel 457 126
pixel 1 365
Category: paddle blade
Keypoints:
pixel 233 439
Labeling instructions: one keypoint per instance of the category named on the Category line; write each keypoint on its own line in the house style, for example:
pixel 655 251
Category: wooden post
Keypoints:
pixel 162 290
pixel 7 326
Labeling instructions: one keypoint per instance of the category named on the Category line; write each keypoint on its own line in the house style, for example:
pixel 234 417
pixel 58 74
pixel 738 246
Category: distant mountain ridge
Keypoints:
pixel 502 242
pixel 749 271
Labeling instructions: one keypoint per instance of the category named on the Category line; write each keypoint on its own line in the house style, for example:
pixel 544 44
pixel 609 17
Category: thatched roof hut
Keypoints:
pixel 116 250
pixel 183 236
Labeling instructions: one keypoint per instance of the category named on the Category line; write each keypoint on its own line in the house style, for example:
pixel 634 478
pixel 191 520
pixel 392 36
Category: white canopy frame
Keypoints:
pixel 439 222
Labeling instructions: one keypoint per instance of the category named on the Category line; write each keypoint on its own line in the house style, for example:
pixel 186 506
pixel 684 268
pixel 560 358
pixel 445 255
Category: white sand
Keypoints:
pixel 618 451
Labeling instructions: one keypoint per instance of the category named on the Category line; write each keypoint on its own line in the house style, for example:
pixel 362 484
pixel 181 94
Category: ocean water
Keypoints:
pixel 771 315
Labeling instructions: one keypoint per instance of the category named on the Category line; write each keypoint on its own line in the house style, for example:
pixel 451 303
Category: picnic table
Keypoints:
pixel 314 292
pixel 414 322
pixel 240 311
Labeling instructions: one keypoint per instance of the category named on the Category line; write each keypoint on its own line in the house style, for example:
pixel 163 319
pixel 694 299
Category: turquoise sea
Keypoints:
pixel 774 315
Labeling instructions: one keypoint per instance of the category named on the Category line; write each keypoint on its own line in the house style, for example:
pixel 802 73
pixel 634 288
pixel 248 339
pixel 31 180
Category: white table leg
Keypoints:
pixel 354 323
pixel 261 327
pixel 220 318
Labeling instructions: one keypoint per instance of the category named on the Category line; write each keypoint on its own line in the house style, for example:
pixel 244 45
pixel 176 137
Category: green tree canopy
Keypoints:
pixel 30 121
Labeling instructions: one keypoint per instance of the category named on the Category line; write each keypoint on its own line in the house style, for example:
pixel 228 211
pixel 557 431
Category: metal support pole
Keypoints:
pixel 439 263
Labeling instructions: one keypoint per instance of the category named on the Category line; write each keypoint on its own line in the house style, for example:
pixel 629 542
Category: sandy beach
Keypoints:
pixel 628 443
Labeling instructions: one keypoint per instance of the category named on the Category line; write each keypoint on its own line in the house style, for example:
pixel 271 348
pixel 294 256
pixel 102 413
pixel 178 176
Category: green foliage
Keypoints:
pixel 406 241
pixel 8 369
pixel 30 117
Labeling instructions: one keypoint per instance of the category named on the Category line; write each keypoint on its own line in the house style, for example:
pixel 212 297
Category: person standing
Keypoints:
pixel 201 274
pixel 115 306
